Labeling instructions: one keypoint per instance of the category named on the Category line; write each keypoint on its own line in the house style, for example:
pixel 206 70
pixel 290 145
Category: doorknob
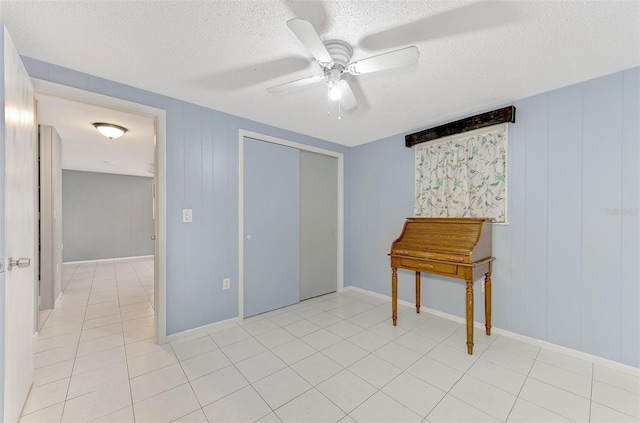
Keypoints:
pixel 21 262
pixel 153 237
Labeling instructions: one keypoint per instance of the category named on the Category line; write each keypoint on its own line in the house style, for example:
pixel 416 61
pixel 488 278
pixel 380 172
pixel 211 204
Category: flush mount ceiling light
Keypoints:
pixel 110 130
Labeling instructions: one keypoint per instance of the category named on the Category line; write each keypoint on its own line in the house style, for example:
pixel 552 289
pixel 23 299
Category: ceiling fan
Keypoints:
pixel 334 57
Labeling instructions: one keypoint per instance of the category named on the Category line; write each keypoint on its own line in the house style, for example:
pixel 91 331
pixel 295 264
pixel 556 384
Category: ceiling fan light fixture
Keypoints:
pixel 110 130
pixel 334 58
pixel 334 90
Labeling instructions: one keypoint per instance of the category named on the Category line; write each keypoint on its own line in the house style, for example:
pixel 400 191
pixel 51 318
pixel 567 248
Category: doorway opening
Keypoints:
pixel 113 203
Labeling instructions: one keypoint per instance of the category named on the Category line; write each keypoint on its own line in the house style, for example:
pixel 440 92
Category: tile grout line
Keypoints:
pixel 522 387
pixel 124 346
pixel 242 374
pixel 75 357
pixel 188 382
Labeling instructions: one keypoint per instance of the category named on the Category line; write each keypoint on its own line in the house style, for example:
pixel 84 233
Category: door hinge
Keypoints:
pixel 1 265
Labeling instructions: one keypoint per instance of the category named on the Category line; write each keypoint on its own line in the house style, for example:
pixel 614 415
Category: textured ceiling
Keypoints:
pixel 223 54
pixel 84 148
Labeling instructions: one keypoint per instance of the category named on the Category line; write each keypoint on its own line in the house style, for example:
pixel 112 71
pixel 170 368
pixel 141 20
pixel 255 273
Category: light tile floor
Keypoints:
pixel 329 359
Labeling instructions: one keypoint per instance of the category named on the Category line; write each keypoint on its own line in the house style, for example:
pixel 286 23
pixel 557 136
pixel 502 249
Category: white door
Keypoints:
pixel 18 143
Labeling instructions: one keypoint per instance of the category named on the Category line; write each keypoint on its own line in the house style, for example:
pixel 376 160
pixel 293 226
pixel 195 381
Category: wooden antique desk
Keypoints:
pixel 455 247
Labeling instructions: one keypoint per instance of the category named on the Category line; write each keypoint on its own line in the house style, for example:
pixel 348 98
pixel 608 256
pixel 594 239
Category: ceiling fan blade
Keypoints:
pixel 312 11
pixel 393 59
pixel 347 97
pixel 308 36
pixel 294 84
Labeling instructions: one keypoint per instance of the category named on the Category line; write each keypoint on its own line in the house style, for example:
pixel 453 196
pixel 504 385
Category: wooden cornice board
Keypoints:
pixel 495 117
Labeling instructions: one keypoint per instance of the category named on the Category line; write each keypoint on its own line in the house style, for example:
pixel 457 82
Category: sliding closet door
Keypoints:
pixel 271 226
pixel 318 224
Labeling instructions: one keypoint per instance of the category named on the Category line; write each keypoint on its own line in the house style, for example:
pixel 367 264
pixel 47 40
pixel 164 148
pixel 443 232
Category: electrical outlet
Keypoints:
pixel 483 286
pixel 226 283
pixel 187 215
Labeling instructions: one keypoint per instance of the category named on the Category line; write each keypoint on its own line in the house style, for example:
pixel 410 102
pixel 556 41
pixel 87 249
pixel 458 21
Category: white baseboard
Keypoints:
pixel 497 331
pixel 109 259
pixel 201 330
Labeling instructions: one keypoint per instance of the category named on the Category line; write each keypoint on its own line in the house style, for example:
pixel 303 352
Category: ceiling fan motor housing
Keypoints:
pixel 340 52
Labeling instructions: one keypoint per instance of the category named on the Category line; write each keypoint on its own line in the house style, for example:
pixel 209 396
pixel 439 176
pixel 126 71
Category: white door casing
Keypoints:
pixel 19 208
pixel 160 115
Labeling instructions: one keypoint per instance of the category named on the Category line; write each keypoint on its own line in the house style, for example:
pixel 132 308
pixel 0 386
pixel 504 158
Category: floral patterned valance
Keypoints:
pixel 463 176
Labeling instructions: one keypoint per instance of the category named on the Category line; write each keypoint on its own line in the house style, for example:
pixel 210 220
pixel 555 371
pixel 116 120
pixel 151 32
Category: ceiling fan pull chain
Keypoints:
pixel 328 101
pixel 339 111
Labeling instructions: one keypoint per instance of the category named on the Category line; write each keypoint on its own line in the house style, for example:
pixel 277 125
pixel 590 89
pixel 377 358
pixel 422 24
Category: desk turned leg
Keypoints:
pixel 394 294
pixel 487 301
pixel 417 292
pixel 470 317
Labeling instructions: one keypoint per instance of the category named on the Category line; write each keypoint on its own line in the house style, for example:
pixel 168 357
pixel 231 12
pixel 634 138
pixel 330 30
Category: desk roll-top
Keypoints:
pixel 455 247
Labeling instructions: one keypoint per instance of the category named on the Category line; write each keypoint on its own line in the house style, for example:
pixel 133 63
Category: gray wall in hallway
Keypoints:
pixel 105 216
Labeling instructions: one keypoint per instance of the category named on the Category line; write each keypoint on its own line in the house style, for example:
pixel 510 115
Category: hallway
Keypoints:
pixel 106 308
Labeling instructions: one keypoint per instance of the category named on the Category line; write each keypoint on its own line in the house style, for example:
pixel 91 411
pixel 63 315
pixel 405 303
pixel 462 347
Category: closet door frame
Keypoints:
pixel 241 236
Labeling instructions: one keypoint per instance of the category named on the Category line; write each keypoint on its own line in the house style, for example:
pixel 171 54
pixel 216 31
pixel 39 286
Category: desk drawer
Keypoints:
pixel 443 268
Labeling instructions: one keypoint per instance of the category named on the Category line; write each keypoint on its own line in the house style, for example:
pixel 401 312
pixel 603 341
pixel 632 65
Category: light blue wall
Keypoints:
pixel 566 271
pixel 202 174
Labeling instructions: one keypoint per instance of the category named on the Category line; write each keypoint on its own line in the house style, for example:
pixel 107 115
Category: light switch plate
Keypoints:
pixel 187 215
